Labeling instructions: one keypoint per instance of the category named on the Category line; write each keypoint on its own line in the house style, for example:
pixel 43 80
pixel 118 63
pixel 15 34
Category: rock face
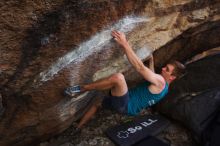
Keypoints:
pixel 195 98
pixel 48 46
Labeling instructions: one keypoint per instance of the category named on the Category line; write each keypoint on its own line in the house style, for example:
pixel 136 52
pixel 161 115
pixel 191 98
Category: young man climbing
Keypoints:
pixel 131 101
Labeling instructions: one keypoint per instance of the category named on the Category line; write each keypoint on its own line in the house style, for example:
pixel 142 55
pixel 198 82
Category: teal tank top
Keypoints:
pixel 141 97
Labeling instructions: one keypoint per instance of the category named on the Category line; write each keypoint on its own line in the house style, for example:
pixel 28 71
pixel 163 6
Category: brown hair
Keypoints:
pixel 179 68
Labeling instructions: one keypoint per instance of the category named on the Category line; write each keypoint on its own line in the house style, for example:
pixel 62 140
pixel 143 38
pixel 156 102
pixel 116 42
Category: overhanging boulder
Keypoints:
pixel 42 34
pixel 194 99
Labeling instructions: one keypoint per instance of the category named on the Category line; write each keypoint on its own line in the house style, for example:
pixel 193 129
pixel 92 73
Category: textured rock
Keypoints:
pixel 1 106
pixel 36 35
pixel 194 99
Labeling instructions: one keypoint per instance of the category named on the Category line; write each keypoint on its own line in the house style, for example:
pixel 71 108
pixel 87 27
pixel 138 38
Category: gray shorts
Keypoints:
pixel 118 103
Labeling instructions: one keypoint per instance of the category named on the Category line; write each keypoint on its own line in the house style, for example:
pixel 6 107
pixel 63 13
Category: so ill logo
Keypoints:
pixel 139 127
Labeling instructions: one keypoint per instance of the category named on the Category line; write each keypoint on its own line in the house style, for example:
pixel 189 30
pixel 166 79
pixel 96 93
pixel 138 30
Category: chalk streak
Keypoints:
pixel 95 44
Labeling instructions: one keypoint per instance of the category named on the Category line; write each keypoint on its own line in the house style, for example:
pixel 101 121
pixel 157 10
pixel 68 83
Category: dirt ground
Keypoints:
pixel 93 134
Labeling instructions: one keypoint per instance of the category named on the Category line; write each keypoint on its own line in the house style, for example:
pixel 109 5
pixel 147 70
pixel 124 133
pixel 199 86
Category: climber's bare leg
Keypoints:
pixel 116 83
pixel 88 115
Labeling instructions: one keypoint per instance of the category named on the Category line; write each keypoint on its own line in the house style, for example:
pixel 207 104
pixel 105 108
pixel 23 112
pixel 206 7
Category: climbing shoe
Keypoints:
pixel 71 91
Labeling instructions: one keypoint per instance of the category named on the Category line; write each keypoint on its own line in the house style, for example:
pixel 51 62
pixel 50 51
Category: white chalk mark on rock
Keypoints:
pixel 91 46
pixel 121 64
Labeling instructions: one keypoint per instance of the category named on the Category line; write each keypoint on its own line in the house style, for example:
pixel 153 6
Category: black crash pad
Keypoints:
pixel 132 132
pixel 151 141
